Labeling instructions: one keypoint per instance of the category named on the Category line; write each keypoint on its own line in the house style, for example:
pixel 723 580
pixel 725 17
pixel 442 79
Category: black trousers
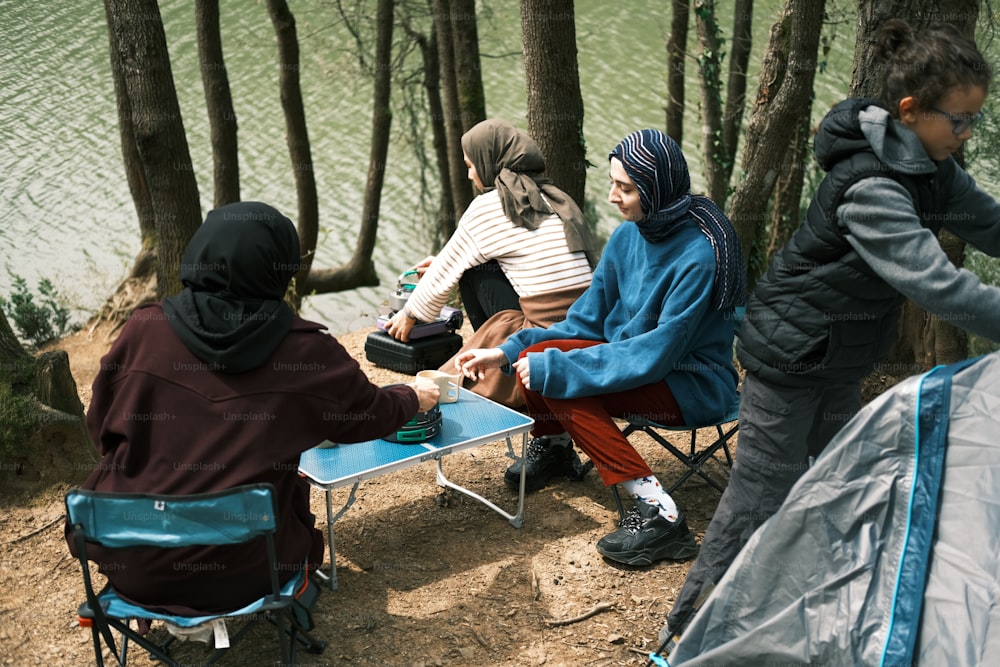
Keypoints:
pixel 485 291
pixel 781 429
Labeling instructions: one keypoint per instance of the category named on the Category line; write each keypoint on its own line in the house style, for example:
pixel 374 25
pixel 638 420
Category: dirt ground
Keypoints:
pixel 425 579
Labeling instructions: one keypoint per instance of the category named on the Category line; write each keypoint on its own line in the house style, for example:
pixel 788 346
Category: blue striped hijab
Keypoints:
pixel 657 166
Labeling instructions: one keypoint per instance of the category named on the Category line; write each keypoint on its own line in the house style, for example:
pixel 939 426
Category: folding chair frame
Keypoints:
pixel 103 518
pixel 694 460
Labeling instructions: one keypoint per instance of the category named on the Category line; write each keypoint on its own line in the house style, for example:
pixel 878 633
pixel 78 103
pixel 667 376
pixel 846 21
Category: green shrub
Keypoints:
pixel 39 321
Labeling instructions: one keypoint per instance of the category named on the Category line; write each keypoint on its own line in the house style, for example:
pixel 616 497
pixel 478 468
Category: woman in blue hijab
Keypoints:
pixel 652 336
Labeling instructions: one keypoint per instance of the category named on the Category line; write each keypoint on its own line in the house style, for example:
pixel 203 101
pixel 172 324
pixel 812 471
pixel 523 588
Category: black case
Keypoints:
pixel 385 351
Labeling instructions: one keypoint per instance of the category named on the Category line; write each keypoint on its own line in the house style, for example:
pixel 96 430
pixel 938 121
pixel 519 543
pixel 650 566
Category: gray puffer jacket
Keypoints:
pixel 827 310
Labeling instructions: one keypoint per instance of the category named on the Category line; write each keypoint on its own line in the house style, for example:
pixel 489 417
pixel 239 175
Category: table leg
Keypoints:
pixel 331 519
pixel 329 540
pixel 517 519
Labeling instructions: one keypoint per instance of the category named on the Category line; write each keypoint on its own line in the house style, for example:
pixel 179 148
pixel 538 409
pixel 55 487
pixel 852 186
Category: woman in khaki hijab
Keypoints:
pixel 520 256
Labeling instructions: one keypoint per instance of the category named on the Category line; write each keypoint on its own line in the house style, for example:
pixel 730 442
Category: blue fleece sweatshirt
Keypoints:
pixel 652 303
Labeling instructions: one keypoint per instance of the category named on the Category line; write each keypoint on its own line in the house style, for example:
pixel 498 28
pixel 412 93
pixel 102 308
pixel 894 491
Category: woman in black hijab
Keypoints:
pixel 235 270
pixel 223 385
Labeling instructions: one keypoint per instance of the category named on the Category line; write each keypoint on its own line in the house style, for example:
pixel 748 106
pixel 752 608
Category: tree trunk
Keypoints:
pixel 784 97
pixel 11 351
pixel 554 100
pixel 42 434
pixel 158 163
pixel 710 79
pixel 924 339
pixel 461 188
pixel 722 112
pixel 218 102
pixel 360 270
pixel 468 70
pixel 736 87
pixel 140 285
pixel 297 136
pixel 786 205
pixel 676 55
pixel 432 88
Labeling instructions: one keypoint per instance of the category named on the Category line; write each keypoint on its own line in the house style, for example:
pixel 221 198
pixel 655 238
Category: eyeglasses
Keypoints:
pixel 960 122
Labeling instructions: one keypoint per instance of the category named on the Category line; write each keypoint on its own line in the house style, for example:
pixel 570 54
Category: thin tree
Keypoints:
pixel 461 189
pixel 447 217
pixel 430 105
pixel 784 97
pixel 554 99
pixel 218 103
pixel 680 11
pixel 360 269
pixel 736 83
pixel 722 111
pixel 468 72
pixel 157 160
pixel 296 135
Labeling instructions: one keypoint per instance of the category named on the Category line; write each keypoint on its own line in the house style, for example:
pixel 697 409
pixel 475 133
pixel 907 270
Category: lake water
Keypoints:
pixel 66 209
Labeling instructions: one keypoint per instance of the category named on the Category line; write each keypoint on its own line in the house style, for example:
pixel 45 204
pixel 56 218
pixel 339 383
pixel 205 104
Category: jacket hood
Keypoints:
pixel 856 125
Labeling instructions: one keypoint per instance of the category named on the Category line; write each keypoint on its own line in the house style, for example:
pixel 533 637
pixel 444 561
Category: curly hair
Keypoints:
pixel 927 64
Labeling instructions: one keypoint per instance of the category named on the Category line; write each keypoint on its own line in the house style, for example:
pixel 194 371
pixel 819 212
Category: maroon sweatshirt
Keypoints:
pixel 165 422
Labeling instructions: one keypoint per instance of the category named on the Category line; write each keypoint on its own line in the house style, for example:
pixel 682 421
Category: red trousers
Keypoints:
pixel 590 421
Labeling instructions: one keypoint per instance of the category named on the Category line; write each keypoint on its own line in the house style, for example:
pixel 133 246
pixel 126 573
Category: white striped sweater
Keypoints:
pixel 534 261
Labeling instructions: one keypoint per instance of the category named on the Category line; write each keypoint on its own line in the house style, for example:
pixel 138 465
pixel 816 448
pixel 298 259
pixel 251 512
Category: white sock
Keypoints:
pixel 649 491
pixel 561 440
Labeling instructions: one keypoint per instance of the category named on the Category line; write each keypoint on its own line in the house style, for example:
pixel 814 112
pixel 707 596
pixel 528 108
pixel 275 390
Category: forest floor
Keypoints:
pixel 425 579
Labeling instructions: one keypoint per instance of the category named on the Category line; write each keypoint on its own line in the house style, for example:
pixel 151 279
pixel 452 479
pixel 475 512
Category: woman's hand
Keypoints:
pixel 427 392
pixel 521 366
pixel 400 325
pixel 422 266
pixel 473 363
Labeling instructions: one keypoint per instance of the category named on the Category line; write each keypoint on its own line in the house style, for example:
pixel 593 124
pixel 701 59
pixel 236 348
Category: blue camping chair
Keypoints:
pixel 122 520
pixel 693 459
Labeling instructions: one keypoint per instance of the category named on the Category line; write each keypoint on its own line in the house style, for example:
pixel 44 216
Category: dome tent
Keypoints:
pixel 885 551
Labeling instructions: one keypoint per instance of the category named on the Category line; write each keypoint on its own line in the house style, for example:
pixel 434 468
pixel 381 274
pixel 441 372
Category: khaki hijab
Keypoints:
pixel 511 162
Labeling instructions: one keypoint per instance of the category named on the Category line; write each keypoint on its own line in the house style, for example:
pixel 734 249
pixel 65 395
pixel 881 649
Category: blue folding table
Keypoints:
pixel 469 422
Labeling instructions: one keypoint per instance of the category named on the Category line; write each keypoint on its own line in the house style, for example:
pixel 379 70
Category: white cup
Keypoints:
pixel 448 384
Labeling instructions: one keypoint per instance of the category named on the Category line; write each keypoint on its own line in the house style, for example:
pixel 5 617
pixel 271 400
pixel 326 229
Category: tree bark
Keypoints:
pixel 554 99
pixel 710 82
pixel 676 57
pixel 784 97
pixel 722 111
pixel 786 204
pixel 468 70
pixel 461 188
pixel 447 219
pixel 297 136
pixel 42 434
pixel 12 353
pixel 736 86
pixel 157 142
pixel 360 269
pixel 218 103
pixel 924 339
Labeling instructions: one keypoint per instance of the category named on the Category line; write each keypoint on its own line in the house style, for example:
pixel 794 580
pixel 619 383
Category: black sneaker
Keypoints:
pixel 544 461
pixel 668 640
pixel 644 537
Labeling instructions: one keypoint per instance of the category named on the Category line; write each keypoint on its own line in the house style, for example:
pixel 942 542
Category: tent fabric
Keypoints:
pixel 885 552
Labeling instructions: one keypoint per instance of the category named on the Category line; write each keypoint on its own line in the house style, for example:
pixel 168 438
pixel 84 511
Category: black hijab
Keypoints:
pixel 231 313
